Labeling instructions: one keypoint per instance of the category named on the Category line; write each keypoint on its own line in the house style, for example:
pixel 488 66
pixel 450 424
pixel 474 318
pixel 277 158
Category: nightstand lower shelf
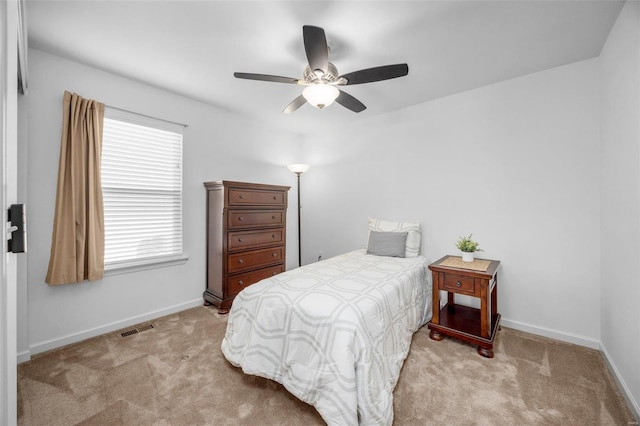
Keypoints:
pixel 463 323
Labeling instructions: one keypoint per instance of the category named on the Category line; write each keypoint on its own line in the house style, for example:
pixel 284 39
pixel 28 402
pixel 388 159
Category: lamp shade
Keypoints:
pixel 298 168
pixel 320 95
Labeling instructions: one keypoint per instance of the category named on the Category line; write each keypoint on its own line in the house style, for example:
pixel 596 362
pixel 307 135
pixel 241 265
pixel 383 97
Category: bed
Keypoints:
pixel 335 333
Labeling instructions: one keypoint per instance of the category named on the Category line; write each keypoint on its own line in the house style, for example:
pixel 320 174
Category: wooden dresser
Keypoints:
pixel 246 236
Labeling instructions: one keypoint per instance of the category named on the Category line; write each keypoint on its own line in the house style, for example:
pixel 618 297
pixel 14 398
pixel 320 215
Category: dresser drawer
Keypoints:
pixel 254 219
pixel 237 282
pixel 459 284
pixel 243 239
pixel 249 197
pixel 254 259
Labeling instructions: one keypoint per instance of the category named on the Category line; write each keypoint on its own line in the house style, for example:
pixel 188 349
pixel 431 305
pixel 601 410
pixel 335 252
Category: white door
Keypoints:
pixel 8 195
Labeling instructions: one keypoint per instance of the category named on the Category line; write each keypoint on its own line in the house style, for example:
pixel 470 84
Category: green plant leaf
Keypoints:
pixel 468 245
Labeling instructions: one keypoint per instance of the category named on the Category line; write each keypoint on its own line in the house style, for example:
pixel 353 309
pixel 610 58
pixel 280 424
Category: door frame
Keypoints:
pixel 9 12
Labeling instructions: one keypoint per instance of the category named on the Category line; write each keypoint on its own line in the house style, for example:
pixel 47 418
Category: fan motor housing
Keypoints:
pixel 329 77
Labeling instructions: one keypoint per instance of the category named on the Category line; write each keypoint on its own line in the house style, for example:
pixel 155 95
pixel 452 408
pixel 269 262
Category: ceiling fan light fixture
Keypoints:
pixel 321 76
pixel 320 95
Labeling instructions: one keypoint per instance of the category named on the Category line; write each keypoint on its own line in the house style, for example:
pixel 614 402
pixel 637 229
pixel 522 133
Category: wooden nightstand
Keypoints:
pixel 476 326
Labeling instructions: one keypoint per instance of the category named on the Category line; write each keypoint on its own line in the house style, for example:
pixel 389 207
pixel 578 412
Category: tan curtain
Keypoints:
pixel 77 245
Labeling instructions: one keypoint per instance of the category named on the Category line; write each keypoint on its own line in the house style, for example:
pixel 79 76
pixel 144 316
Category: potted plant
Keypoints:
pixel 468 247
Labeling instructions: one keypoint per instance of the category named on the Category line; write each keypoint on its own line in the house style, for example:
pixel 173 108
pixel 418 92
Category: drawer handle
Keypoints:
pixel 241 282
pixel 274 273
pixel 273 235
pixel 274 254
pixel 240 261
pixel 275 198
pixel 240 240
pixel 273 217
pixel 240 218
pixel 241 195
pixel 458 284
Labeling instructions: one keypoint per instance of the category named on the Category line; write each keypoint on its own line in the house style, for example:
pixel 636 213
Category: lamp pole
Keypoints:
pixel 299 169
pixel 299 223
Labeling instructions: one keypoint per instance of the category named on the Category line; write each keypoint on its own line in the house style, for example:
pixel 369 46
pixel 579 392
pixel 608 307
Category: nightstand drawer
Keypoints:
pixel 459 284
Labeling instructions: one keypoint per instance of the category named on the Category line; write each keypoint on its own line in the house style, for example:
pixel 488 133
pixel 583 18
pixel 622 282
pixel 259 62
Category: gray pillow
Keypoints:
pixel 390 244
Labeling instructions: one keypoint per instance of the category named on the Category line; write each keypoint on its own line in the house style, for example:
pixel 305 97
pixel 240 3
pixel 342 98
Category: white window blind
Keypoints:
pixel 142 189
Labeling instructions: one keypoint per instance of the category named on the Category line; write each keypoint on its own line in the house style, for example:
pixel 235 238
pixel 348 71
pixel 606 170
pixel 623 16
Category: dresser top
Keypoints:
pixel 218 184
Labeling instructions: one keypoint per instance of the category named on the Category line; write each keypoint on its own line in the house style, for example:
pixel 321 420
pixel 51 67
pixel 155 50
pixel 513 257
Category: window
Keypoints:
pixel 142 189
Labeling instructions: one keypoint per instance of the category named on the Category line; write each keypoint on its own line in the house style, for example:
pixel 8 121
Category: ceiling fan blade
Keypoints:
pixel 295 104
pixel 315 45
pixel 376 74
pixel 266 77
pixel 349 102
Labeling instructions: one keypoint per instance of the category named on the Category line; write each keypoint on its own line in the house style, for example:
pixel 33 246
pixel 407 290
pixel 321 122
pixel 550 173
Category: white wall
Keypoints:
pixel 621 199
pixel 217 145
pixel 515 163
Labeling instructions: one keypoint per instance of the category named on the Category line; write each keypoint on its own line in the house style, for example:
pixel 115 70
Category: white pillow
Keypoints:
pixel 412 228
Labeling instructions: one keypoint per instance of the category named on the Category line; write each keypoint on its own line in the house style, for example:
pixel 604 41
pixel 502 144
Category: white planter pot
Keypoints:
pixel 467 257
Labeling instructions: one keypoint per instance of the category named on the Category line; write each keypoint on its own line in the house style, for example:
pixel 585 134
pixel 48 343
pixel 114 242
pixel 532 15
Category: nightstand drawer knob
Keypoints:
pixel 241 282
pixel 240 240
pixel 274 254
pixel 458 284
pixel 240 261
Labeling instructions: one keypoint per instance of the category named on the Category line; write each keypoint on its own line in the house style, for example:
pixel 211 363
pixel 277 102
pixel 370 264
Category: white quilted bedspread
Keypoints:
pixel 335 333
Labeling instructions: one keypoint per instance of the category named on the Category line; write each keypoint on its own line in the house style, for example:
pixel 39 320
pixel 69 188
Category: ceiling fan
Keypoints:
pixel 321 77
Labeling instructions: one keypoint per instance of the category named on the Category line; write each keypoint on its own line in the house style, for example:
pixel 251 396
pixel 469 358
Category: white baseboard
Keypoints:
pixel 553 334
pixel 23 356
pixel 626 392
pixel 107 328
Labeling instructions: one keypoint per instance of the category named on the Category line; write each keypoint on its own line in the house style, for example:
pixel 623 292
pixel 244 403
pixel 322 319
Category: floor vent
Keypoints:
pixel 145 328
pixel 137 330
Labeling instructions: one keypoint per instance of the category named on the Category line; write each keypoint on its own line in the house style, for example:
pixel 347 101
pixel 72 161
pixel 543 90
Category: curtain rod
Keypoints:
pixel 147 116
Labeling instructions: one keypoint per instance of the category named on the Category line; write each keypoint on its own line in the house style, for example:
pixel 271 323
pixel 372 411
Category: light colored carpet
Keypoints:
pixel 175 374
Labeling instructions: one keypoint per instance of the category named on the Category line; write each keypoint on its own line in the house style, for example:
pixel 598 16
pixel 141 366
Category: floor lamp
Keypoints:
pixel 299 169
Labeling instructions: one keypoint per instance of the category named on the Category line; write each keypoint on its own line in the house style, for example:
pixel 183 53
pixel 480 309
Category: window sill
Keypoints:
pixel 128 267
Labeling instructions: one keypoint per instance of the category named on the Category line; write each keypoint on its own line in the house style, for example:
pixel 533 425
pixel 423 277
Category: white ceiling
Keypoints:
pixel 193 47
